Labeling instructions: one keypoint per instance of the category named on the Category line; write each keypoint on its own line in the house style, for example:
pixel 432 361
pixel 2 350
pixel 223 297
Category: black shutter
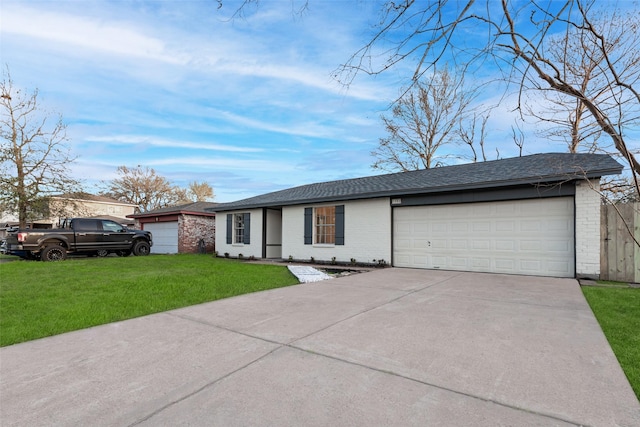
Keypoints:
pixel 247 228
pixel 308 226
pixel 229 229
pixel 340 225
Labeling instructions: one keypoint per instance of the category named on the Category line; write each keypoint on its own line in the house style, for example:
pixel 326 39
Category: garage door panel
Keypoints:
pixel 481 263
pixel 481 227
pixel 419 259
pixel 480 245
pixel 481 210
pixel 522 237
pixel 559 225
pixel 505 226
pixel 403 243
pixel 165 237
pixel 558 246
pixel 459 244
pixel 530 266
pixel 438 244
pixel 505 265
pixel 505 245
pixel 531 245
pixel 436 262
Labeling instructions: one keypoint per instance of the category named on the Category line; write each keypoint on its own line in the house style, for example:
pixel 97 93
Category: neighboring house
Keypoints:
pixel 533 215
pixel 77 205
pixel 187 228
pixel 89 206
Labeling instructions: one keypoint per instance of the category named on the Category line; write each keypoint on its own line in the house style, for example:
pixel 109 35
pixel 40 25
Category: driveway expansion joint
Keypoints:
pixel 439 387
pixel 199 390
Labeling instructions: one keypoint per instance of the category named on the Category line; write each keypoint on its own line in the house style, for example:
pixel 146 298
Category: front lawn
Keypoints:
pixel 618 312
pixel 39 299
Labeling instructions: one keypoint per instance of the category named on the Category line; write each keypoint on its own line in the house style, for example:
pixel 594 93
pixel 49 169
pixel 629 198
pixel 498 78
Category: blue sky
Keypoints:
pixel 247 105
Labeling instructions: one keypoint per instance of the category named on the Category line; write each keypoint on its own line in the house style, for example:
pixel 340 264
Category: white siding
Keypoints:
pixel 367 234
pixel 254 248
pixel 587 202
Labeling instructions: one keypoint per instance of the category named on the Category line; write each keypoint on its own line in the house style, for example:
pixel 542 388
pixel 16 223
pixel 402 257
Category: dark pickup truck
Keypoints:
pixel 78 235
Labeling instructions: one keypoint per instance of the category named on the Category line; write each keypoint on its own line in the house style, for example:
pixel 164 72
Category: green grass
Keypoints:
pixel 39 299
pixel 618 312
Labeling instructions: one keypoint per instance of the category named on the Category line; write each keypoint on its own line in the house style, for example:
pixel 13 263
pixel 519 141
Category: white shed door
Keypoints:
pixel 532 237
pixel 165 237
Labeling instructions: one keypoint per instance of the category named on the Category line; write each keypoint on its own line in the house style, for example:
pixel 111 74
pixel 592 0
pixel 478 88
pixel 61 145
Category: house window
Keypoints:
pixel 325 223
pixel 238 228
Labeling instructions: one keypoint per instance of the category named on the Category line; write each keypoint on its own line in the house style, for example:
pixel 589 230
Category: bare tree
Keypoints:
pixel 199 192
pixel 518 137
pixel 583 62
pixel 34 156
pixel 422 122
pixel 467 134
pixel 144 187
pixel 520 38
pixel 517 36
pixel 619 189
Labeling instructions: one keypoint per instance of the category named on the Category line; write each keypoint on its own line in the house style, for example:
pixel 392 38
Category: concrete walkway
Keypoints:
pixel 392 347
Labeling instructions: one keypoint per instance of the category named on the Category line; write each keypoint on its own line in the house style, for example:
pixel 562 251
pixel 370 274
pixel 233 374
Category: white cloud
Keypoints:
pixel 160 142
pixel 307 129
pixel 85 32
pixel 221 164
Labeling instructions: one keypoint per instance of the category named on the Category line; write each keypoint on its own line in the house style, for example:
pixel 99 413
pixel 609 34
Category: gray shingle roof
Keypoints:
pixel 195 207
pixel 533 169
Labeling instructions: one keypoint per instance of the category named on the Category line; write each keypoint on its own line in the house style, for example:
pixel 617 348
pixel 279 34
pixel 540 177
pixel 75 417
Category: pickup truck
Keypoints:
pixel 78 235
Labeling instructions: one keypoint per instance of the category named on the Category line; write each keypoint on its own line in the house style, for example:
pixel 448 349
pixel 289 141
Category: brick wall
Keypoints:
pixel 587 202
pixel 191 229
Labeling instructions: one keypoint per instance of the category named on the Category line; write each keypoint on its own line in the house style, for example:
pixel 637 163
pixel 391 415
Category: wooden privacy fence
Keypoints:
pixel 619 254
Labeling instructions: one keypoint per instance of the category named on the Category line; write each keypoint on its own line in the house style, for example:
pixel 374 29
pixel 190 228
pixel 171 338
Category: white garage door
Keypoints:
pixel 533 237
pixel 165 237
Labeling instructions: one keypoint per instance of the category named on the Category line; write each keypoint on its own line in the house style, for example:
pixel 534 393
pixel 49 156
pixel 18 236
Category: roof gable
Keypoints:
pixel 533 169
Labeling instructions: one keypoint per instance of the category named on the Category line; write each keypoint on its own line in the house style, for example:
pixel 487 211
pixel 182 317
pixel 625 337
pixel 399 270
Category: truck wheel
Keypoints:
pixel 102 253
pixel 123 253
pixel 53 253
pixel 141 248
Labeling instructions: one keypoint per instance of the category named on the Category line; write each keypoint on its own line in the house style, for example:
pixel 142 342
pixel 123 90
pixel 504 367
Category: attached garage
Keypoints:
pixel 531 237
pixel 165 237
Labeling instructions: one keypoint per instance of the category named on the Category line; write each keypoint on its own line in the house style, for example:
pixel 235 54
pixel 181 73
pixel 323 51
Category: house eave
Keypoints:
pixel 547 180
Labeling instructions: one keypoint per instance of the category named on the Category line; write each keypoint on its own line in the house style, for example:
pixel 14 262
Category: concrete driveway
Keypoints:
pixel 389 347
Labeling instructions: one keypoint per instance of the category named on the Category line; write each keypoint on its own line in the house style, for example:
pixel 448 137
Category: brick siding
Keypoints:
pixel 191 229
